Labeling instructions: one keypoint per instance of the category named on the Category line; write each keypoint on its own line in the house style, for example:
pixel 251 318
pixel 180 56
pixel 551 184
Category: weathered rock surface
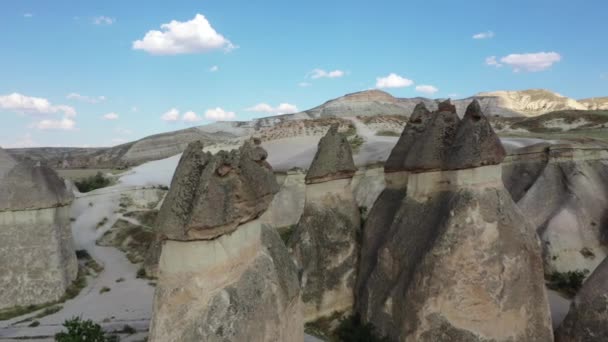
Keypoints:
pixel 453 260
pixel 288 204
pixel 414 129
pixel 34 231
pixel 562 191
pixel 333 160
pixel 586 320
pixel 324 243
pixel 238 284
pixel 212 194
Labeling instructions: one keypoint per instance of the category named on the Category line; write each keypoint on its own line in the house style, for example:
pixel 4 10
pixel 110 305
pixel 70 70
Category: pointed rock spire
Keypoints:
pixel 475 143
pixel 414 128
pixel 333 160
pixel 212 195
pixel 428 152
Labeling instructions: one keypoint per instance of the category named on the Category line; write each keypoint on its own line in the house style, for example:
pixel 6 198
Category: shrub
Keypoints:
pixel 127 329
pixel 351 329
pixel 388 133
pixel 568 282
pixel 141 273
pixel 104 290
pixel 80 331
pixel 34 324
pixel 355 142
pixel 92 183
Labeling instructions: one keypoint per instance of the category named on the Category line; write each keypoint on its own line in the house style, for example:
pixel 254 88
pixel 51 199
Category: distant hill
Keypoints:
pixel 369 103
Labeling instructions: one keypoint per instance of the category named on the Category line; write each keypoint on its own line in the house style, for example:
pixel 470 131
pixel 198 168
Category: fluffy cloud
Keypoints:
pixel 194 36
pixel 393 81
pixel 531 62
pixel 320 73
pixel 65 124
pixel 171 115
pixel 304 84
pixel 190 116
pixel 85 98
pixel 218 114
pixel 283 108
pixel 28 15
pixel 110 116
pixel 103 20
pixel 214 68
pixel 22 104
pixel 484 35
pixel 426 89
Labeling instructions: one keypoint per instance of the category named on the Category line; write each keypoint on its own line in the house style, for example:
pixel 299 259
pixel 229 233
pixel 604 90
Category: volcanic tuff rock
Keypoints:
pixel 34 231
pixel 333 160
pixel 414 129
pixel 595 103
pixel 324 242
pixel 456 261
pixel 222 275
pixel 212 194
pixel 586 320
pixel 562 191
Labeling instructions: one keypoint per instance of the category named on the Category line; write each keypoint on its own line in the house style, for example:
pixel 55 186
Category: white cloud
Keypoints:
pixel 110 116
pixel 194 36
pixel 283 108
pixel 85 98
pixel 320 73
pixel 531 62
pixel 103 20
pixel 484 35
pixel 453 95
pixel 171 115
pixel 23 104
pixel 134 109
pixel 304 84
pixel 393 81
pixel 191 116
pixel 426 89
pixel 65 124
pixel 493 62
pixel 219 114
pixel 28 15
pixel 214 68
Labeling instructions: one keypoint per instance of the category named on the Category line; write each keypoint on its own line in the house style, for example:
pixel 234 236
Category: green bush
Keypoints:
pixel 568 282
pixel 92 183
pixel 82 331
pixel 387 133
pixel 351 329
pixel 356 142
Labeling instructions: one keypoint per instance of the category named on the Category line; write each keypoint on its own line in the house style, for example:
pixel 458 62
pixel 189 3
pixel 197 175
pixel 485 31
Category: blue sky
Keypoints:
pixel 93 73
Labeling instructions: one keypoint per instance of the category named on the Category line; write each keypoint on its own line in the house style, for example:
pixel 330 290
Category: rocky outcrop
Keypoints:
pixel 34 231
pixel 324 243
pixel 595 103
pixel 223 276
pixel 455 260
pixel 586 320
pixel 562 191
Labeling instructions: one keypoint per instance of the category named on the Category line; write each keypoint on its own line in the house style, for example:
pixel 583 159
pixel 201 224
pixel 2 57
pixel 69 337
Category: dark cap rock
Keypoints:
pixel 429 150
pixel 212 195
pixel 415 127
pixel 333 160
pixel 475 144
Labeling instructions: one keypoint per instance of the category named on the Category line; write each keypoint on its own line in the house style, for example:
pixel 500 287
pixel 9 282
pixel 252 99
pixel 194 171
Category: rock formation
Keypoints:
pixel 588 315
pixel 324 242
pixel 223 276
pixel 37 255
pixel 562 191
pixel 456 261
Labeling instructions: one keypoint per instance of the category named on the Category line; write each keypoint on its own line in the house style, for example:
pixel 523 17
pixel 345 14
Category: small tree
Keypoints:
pixel 81 331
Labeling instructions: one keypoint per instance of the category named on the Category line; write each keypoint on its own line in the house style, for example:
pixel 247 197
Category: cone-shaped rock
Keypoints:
pixel 413 130
pixel 587 320
pixel 475 144
pixel 213 194
pixel 324 242
pixel 222 275
pixel 430 150
pixel 37 255
pixel 333 160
